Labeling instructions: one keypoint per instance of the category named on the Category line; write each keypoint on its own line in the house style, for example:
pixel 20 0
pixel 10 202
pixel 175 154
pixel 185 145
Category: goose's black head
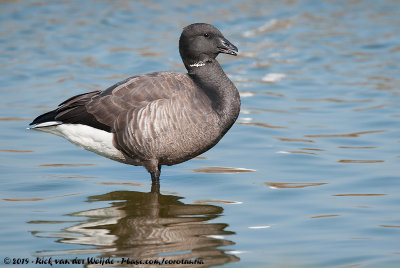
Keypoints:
pixel 202 42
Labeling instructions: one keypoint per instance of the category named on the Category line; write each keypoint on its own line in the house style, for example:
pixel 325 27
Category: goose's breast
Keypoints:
pixel 172 130
pixel 187 140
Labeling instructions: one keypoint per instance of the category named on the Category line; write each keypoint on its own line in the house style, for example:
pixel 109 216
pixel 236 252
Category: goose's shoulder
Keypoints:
pixel 151 83
pixel 137 92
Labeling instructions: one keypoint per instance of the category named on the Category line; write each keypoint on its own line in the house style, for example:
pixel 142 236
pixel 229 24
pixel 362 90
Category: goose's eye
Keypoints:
pixel 206 35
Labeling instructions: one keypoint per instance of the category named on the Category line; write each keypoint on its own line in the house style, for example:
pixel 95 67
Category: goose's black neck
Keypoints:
pixel 211 78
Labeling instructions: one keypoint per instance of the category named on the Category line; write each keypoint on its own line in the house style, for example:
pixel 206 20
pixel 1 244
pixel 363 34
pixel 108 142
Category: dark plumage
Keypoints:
pixel 156 119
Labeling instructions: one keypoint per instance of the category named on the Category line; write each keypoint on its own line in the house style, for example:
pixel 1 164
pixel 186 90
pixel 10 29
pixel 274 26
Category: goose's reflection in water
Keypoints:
pixel 151 225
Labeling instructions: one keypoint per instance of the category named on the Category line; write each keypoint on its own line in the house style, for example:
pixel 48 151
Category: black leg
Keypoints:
pixel 154 169
pixel 155 180
pixel 155 176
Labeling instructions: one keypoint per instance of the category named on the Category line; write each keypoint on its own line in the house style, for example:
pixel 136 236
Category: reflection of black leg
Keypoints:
pixel 155 188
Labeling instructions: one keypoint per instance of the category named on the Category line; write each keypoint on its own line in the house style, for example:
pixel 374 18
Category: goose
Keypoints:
pixel 155 119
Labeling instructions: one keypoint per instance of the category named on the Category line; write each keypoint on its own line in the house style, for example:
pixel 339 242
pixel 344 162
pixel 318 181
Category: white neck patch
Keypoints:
pixel 197 64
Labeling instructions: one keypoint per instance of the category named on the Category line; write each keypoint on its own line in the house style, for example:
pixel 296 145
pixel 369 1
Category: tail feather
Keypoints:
pixel 46 117
pixel 72 111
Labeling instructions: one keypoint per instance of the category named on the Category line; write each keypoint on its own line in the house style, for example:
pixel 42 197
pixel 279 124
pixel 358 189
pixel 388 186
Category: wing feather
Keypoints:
pixel 150 114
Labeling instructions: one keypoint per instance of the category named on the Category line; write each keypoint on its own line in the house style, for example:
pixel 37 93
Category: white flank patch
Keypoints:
pixel 273 77
pixel 89 138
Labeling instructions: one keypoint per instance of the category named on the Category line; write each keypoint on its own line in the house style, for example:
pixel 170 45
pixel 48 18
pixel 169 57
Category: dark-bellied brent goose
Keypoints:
pixel 156 119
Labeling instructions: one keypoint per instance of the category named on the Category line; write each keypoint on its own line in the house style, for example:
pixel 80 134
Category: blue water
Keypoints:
pixel 307 177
